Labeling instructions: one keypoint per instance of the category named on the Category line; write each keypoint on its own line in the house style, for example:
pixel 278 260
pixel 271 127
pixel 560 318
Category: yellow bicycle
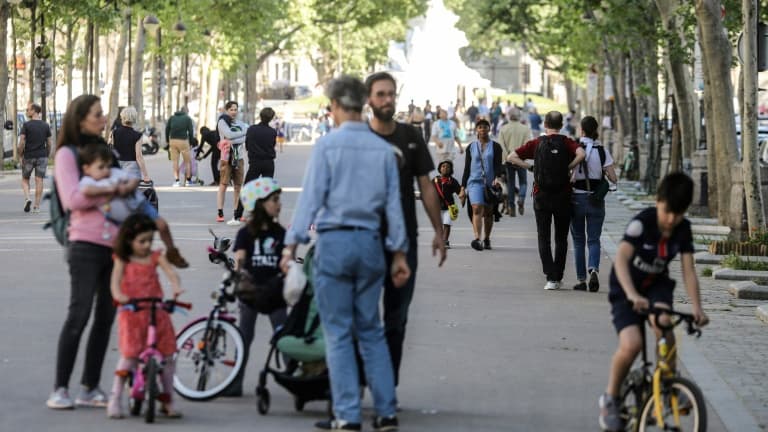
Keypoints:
pixel 658 399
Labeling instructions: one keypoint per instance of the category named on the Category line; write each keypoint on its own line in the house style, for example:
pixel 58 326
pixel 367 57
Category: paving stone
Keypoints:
pixel 748 290
pixel 703 221
pixel 762 314
pixel 741 275
pixel 708 258
pixel 711 229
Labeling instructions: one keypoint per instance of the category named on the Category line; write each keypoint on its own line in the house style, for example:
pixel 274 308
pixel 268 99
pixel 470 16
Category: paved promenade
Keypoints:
pixel 487 349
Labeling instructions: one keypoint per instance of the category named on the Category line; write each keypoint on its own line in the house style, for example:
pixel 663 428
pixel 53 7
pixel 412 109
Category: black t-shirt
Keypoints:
pixel 445 190
pixel 262 254
pixel 260 140
pixel 125 139
pixel 36 134
pixel 650 261
pixel 414 160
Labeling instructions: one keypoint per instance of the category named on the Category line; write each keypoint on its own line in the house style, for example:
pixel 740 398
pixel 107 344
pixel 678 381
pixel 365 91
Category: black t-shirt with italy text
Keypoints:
pixel 262 254
pixel 414 161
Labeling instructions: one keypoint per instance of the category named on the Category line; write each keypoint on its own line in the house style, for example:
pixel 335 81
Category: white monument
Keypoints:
pixel 428 64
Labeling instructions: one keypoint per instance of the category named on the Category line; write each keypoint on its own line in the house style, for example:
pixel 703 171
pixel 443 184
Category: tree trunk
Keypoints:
pixel 570 92
pixel 69 65
pixel 681 82
pixel 619 97
pixel 755 215
pixel 5 13
pixel 117 72
pixel 709 121
pixel 96 78
pixel 137 74
pixel 88 56
pixel 716 49
pixel 169 109
pixel 32 61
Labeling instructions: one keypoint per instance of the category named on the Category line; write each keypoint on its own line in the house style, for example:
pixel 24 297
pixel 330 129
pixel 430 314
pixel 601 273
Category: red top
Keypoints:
pixel 141 280
pixel 528 151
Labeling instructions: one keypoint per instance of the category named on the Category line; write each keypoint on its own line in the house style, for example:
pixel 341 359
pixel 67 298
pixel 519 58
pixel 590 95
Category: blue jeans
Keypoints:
pixel 591 215
pixel 349 271
pixel 522 179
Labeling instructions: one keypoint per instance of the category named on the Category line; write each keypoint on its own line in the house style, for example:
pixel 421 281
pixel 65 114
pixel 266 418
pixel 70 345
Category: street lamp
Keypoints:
pixel 180 29
pixel 151 23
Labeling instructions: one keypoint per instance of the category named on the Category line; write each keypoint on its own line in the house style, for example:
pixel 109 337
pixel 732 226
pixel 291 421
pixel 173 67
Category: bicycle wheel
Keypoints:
pixel 207 363
pixel 691 406
pixel 634 391
pixel 151 386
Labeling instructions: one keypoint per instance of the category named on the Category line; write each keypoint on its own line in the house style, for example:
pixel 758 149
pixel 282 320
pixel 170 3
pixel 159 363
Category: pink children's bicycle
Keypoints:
pixel 144 379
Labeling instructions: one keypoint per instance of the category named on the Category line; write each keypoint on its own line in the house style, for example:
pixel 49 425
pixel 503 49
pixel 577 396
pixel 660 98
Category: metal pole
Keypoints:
pixel 43 64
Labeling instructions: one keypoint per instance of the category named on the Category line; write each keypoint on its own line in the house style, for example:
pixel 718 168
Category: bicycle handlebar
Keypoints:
pixel 676 318
pixel 168 305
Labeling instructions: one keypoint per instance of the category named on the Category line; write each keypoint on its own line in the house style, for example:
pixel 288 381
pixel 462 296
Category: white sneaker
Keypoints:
pixel 177 184
pixel 552 286
pixel 60 399
pixel 233 222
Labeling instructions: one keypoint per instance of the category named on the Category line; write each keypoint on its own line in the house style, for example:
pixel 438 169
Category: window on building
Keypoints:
pixel 287 71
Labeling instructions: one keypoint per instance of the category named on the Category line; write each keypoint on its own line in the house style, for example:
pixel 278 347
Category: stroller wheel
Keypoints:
pixel 262 400
pixel 298 404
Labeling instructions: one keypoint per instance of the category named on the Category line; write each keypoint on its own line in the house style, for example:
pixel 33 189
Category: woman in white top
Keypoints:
pixel 588 210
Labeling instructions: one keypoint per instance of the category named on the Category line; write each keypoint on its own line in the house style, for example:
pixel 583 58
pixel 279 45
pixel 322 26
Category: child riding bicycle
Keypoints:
pixel 640 279
pixel 135 275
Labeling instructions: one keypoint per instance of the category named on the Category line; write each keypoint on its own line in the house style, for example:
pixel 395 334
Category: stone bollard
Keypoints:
pixel 736 212
pixel 698 168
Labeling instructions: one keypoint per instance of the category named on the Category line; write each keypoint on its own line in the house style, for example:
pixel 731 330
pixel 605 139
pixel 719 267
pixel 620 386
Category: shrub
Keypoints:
pixel 737 263
pixel 706 272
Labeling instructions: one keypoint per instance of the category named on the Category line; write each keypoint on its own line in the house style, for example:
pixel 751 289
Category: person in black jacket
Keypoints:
pixel 260 141
pixel 210 137
pixel 482 170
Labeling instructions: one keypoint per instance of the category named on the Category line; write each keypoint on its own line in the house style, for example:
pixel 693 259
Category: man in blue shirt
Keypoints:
pixel 349 266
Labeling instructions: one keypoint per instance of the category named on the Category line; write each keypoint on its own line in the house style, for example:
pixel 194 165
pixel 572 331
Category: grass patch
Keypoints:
pixel 9 165
pixel 702 240
pixel 737 263
pixel 706 272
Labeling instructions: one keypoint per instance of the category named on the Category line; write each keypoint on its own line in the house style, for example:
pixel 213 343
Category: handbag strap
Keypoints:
pixel 482 164
pixel 440 192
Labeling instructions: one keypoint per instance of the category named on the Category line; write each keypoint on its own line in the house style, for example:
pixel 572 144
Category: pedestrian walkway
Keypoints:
pixel 729 360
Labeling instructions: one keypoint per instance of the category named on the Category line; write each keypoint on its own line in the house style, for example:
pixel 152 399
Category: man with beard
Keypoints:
pixel 415 161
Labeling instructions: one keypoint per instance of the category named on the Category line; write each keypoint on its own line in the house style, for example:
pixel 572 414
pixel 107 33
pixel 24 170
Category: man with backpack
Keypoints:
pixel 554 157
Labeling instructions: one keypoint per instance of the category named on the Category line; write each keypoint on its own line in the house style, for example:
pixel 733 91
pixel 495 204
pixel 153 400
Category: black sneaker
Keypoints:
pixel 27 205
pixel 487 244
pixel 581 286
pixel 338 425
pixel 476 245
pixel 385 424
pixel 594 282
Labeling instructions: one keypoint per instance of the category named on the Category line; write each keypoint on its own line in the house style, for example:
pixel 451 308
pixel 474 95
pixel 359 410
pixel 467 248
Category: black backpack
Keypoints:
pixel 550 164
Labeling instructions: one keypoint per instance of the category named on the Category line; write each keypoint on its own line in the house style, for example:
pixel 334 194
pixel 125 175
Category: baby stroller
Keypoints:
pixel 302 370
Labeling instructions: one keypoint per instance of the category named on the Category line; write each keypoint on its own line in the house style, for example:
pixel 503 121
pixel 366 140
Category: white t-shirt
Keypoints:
pixel 594 166
pixel 119 208
pixel 445 131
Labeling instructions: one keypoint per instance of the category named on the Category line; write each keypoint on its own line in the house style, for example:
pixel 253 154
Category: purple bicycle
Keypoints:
pixel 144 378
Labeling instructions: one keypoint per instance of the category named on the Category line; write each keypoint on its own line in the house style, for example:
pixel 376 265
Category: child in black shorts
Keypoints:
pixel 640 279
